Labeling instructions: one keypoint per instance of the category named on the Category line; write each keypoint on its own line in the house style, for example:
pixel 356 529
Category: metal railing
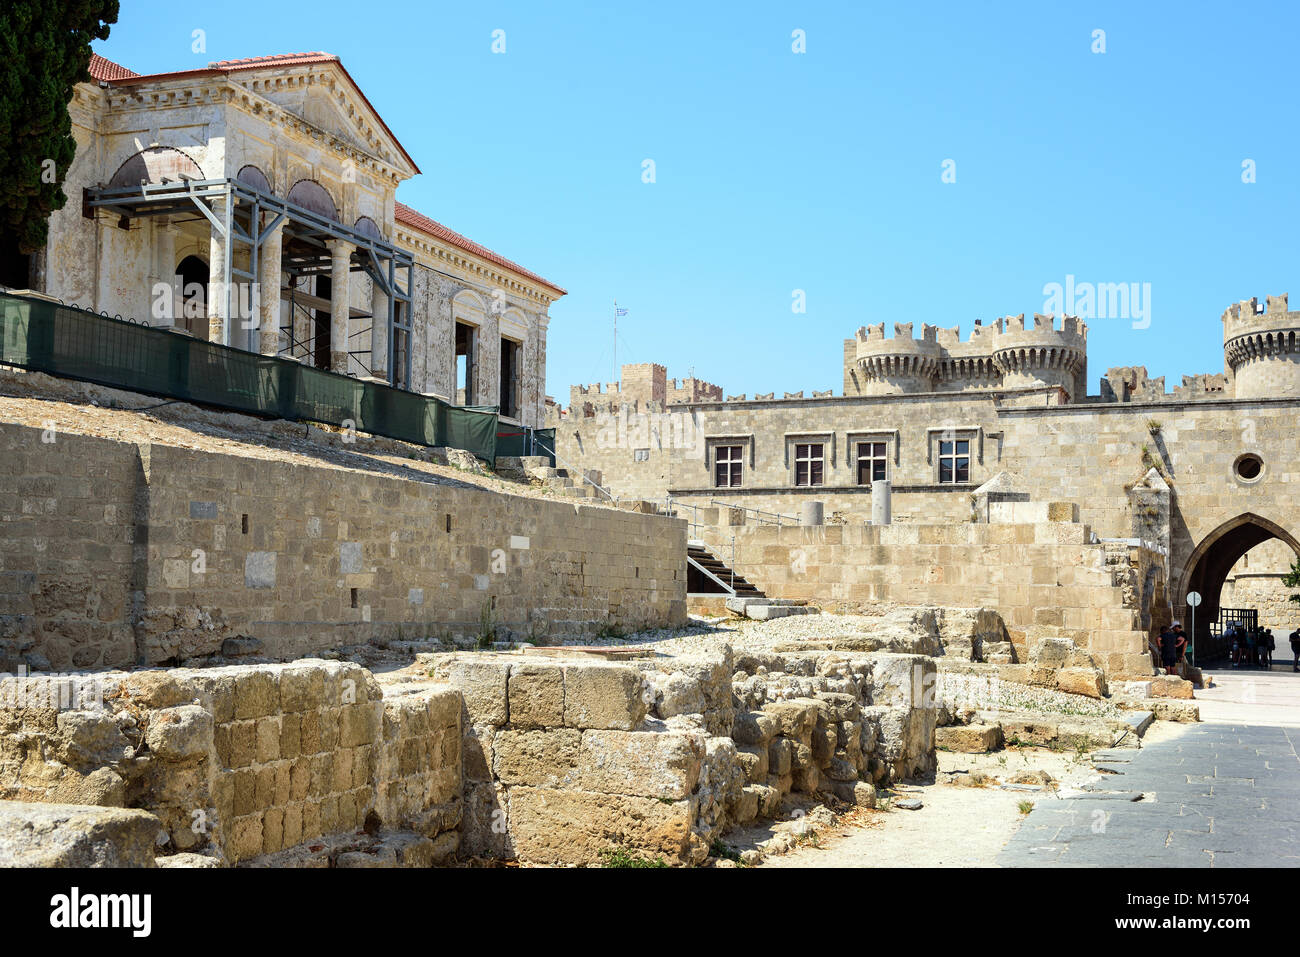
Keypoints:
pixel 60 340
pixel 671 507
pixel 760 514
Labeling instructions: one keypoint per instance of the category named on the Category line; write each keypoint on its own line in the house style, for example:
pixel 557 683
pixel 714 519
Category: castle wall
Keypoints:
pixel 115 552
pixel 678 450
pixel 1090 454
pixel 1044 579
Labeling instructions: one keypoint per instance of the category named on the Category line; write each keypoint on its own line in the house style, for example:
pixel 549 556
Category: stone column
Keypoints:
pixel 813 513
pixel 379 332
pixel 165 255
pixel 881 491
pixel 216 279
pixel 268 280
pixel 340 264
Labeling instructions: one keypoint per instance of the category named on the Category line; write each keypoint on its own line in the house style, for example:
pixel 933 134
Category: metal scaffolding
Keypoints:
pixel 236 212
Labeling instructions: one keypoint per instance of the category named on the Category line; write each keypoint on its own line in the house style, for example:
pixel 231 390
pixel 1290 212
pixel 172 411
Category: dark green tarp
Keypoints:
pixel 75 344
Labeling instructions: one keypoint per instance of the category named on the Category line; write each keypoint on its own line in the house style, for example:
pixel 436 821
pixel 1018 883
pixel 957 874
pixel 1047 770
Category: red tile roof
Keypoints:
pixel 416 220
pixel 105 70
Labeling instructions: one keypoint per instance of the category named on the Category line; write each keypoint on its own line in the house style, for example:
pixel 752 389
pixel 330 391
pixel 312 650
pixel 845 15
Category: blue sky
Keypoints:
pixel 821 171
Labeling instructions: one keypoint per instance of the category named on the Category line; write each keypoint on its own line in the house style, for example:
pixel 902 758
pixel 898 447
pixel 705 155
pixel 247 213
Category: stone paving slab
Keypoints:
pixel 1217 796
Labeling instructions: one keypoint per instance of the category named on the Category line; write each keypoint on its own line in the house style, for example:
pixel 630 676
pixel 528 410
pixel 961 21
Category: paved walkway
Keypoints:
pixel 1224 793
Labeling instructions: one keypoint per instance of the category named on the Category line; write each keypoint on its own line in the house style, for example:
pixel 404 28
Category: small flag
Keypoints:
pixel 619 312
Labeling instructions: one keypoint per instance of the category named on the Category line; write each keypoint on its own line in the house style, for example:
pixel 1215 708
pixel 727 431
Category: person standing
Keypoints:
pixel 1266 645
pixel 1295 650
pixel 1168 650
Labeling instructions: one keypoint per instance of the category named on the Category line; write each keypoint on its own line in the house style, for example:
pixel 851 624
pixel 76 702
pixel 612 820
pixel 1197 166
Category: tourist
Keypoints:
pixel 1234 641
pixel 1266 645
pixel 1295 650
pixel 1169 650
pixel 1180 641
pixel 1251 643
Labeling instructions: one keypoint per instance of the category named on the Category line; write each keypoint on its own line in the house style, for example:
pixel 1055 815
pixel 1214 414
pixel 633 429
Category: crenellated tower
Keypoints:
pixel 1261 348
pixel 900 365
pixel 1009 353
pixel 1038 353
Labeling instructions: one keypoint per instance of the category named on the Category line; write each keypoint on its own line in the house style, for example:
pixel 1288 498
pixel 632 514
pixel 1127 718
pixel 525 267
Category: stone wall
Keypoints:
pixel 1091 453
pixel 239 762
pixel 1046 580
pixel 115 553
pixel 1256 582
pixel 568 759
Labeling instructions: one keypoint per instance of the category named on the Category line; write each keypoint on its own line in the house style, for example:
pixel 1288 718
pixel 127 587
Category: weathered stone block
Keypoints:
pixel 543 758
pixel 1084 681
pixel 659 765
pixel 482 684
pixel 60 835
pixel 182 733
pixel 604 697
pixel 536 696
pixel 573 827
pixel 753 728
pixel 968 738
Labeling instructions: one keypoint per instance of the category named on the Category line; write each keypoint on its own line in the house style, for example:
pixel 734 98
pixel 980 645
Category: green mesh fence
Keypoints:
pixel 75 344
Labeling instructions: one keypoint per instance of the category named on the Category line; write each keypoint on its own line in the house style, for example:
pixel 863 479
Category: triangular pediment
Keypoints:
pixel 335 106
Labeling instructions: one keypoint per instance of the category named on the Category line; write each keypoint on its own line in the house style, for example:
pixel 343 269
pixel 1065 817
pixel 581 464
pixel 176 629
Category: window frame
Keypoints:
pixel 953 456
pixel 859 459
pixel 809 459
pixel 735 463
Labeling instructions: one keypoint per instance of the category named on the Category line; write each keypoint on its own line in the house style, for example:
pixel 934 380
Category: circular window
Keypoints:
pixel 1248 468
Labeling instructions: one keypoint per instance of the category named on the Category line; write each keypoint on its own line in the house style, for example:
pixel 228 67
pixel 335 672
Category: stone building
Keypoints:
pixel 1205 473
pixel 253 203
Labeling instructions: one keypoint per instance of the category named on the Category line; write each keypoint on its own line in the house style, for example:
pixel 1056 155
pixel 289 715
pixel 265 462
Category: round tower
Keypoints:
pixel 1035 354
pixel 898 366
pixel 1261 348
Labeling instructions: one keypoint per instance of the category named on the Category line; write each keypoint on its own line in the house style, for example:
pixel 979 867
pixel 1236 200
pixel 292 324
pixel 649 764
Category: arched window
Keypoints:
pixel 311 195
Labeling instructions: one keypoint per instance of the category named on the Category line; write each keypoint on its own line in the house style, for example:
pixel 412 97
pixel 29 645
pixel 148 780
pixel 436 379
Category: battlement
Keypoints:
pixel 1011 351
pixel 644 385
pixel 1250 316
pixel 1070 330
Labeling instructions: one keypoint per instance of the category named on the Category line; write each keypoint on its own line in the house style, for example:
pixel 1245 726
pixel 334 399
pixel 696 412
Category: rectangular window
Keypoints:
pixel 954 462
pixel 726 466
pixel 873 462
pixel 510 378
pixel 465 372
pixel 809 463
pixel 640 455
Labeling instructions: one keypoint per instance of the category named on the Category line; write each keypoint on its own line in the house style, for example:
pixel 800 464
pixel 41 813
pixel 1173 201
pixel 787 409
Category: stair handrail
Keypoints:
pixel 780 519
pixel 671 506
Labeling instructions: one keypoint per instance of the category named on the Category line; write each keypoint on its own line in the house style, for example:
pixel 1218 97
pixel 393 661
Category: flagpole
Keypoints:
pixel 615 373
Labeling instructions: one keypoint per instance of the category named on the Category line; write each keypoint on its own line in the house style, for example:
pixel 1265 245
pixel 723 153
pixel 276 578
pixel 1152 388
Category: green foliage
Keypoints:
pixel 1292 579
pixel 44 53
pixel 487 631
pixel 618 857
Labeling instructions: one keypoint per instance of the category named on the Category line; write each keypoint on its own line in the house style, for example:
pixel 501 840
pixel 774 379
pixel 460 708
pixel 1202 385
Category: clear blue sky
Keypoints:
pixel 822 171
